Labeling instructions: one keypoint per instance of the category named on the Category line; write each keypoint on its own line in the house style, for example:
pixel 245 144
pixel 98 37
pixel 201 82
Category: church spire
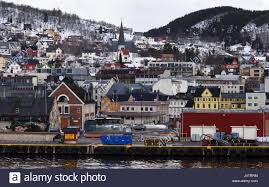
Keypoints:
pixel 121 36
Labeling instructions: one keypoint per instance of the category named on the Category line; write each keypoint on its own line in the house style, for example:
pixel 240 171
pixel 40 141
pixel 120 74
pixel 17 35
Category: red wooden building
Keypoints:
pixel 224 120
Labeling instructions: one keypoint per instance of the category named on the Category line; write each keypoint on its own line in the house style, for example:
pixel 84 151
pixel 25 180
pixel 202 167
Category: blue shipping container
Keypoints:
pixel 116 140
pixel 219 135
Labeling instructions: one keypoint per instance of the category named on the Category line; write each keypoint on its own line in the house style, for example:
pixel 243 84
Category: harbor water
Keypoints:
pixel 44 162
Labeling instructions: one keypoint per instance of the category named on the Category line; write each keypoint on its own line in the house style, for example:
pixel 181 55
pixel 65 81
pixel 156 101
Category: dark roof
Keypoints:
pixel 138 96
pixel 233 95
pixel 119 98
pixel 215 91
pixel 180 96
pixel 130 45
pixel 189 104
pixel 51 49
pixel 80 92
pixel 33 47
pixel 123 89
pixel 149 96
pixel 25 106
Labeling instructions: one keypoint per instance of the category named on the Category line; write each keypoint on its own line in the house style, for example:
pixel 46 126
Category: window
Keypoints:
pixel 132 108
pixel 249 104
pixel 142 108
pixel 132 118
pixel 215 106
pixel 17 110
pixel 209 106
pixel 59 71
pixel 127 108
pixel 122 108
pixel 150 108
pixel 255 104
pixel 249 97
pixel 69 71
pixel 255 97
pixel 66 109
pixel 78 110
pixel 203 105
pixel 63 99
pixel 146 109
pixel 60 109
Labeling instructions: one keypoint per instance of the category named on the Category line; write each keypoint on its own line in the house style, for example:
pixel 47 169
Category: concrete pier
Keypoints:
pixel 136 150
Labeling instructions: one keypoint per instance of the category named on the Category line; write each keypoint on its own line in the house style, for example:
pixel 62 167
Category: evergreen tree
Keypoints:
pixel 46 18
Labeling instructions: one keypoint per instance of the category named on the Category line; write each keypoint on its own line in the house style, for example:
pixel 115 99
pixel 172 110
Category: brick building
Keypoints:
pixel 74 104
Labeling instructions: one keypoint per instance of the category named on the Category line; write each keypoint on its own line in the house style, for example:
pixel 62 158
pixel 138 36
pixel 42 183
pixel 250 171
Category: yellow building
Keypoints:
pixel 108 105
pixel 231 101
pixel 3 63
pixel 207 98
pixel 210 98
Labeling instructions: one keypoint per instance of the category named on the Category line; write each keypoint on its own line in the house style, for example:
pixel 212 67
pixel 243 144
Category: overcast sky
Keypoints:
pixel 141 15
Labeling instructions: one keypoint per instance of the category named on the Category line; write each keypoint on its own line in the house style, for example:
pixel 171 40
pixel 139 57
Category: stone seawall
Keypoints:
pixel 27 136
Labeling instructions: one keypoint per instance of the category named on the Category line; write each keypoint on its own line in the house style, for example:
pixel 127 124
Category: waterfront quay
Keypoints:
pixel 136 150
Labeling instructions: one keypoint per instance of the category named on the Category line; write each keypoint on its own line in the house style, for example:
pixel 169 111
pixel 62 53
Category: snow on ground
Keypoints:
pixel 202 25
pixel 253 30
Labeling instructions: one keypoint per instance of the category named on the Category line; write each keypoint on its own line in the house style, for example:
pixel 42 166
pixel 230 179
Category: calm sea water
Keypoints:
pixel 41 162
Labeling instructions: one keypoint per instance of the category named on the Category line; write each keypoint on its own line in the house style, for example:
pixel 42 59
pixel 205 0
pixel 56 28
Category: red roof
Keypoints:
pixel 28 66
pixel 112 66
pixel 125 51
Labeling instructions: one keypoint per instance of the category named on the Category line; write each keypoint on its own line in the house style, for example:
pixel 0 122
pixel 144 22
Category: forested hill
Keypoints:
pixel 40 18
pixel 220 23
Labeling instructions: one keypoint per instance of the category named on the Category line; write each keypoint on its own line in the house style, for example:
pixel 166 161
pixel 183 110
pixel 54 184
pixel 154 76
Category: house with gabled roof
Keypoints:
pixel 74 104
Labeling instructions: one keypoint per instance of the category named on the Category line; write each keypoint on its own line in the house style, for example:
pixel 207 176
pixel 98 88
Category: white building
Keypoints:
pixel 150 77
pixel 144 112
pixel 232 88
pixel 177 68
pixel 176 106
pixel 14 68
pixel 255 100
pixel 4 49
pixel 266 84
pixel 54 54
pixel 170 86
pixel 99 89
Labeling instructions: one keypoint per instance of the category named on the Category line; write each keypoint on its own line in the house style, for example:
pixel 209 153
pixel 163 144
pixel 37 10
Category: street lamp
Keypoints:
pixel 263 119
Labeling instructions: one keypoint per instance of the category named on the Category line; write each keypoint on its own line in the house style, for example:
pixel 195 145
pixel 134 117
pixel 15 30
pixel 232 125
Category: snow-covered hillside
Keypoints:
pixel 17 15
pixel 252 29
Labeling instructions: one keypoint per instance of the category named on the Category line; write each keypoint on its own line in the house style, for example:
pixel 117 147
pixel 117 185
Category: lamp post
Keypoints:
pixel 263 123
